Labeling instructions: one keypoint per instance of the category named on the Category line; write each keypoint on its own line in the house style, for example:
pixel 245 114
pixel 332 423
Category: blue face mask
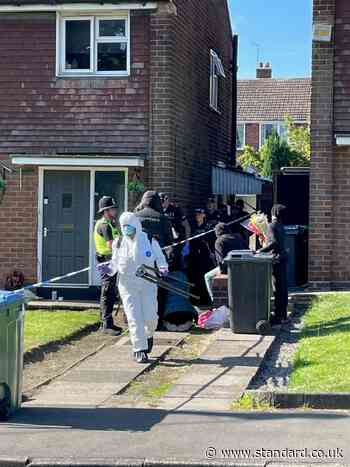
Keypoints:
pixel 128 230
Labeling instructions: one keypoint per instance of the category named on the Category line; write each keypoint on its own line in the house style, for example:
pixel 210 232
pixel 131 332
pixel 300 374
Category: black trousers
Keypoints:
pixel 280 287
pixel 109 297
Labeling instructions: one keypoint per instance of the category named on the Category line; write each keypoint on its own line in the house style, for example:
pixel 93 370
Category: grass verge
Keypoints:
pixel 322 360
pixel 247 402
pixel 43 327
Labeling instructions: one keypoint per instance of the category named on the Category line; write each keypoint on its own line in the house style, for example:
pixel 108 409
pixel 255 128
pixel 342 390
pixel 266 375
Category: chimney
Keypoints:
pixel 264 71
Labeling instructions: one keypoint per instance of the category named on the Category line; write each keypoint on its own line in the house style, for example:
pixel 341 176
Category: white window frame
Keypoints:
pixel 277 124
pixel 244 134
pixel 61 20
pixel 216 72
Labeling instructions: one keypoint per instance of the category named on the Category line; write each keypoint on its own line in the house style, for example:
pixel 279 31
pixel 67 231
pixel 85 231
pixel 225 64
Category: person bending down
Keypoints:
pixel 138 296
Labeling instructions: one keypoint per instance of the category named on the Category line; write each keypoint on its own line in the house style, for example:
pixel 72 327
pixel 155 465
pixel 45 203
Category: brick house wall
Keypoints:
pixel 252 135
pixel 186 134
pixel 160 111
pixel 18 224
pixel 330 167
pixel 44 114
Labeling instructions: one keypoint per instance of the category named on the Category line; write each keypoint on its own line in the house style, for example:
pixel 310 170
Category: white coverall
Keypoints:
pixel 139 297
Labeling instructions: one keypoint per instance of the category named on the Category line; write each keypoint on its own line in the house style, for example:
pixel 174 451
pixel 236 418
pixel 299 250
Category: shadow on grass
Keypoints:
pixel 340 325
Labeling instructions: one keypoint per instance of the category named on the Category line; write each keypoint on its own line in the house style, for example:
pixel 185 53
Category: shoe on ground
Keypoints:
pixel 111 331
pixel 141 356
pixel 117 328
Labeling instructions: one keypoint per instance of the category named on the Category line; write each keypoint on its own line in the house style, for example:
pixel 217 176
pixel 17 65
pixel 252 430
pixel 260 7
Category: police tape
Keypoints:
pixel 203 234
pixel 55 279
pixel 81 271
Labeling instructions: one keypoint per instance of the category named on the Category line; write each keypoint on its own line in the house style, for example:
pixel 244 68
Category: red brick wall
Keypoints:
pixel 18 224
pixel 44 114
pixel 187 134
pixel 322 186
pixel 252 135
pixel 341 155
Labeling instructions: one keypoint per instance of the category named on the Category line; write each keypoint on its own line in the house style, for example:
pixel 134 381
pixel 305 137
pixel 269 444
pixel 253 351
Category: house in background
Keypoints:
pixel 95 94
pixel 265 102
pixel 329 263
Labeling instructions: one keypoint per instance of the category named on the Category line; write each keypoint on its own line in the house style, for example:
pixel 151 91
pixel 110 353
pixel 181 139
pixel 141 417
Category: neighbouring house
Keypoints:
pixel 329 263
pixel 96 94
pixel 265 102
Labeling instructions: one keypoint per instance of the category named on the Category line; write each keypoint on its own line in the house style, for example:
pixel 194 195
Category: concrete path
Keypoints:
pixel 220 375
pixel 98 378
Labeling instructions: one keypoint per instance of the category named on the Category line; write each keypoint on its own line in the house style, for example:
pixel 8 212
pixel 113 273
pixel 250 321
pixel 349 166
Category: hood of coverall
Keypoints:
pixel 129 218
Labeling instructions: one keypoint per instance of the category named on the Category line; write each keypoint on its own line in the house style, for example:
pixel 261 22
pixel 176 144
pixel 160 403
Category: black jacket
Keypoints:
pixel 153 221
pixel 276 242
pixel 225 243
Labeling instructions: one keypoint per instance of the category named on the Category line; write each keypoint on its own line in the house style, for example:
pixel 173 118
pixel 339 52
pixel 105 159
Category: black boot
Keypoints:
pixel 150 344
pixel 141 356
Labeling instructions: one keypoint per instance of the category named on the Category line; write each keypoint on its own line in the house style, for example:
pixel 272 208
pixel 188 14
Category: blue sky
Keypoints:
pixel 282 31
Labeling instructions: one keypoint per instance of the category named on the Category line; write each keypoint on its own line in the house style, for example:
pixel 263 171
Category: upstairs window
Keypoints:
pixel 216 72
pixel 91 45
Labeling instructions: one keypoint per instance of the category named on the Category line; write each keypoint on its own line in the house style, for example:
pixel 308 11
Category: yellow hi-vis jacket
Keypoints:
pixel 101 244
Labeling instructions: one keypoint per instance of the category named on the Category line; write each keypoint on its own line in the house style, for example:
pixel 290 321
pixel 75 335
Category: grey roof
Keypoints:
pixel 264 100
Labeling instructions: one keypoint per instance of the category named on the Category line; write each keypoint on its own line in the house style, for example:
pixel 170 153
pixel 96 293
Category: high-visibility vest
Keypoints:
pixel 101 244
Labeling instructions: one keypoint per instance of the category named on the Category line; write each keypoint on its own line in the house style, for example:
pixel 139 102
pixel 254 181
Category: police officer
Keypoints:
pixel 277 246
pixel 181 226
pixel 105 232
pixel 154 222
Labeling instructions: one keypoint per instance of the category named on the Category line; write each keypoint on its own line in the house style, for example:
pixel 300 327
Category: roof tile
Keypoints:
pixel 265 100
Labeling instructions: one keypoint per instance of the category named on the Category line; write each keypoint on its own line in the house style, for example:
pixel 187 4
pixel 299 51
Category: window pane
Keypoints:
pixel 214 92
pixel 112 57
pixel 111 28
pixel 283 132
pixel 240 136
pixel 78 45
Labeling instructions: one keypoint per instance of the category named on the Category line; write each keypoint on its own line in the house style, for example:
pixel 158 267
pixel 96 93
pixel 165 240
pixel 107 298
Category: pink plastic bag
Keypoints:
pixel 214 319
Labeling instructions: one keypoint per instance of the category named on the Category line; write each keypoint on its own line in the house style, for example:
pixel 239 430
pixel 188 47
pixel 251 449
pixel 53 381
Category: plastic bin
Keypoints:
pixel 249 290
pixel 296 246
pixel 11 351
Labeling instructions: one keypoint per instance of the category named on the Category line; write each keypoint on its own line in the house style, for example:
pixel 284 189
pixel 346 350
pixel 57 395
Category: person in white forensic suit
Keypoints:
pixel 139 297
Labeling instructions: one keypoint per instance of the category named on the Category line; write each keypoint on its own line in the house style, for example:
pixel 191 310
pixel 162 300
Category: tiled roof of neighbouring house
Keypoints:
pixel 265 100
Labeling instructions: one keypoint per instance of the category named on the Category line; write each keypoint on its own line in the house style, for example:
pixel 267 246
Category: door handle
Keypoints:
pixel 46 231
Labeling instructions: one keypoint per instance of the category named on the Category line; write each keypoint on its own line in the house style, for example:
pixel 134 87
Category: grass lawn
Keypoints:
pixel 322 361
pixel 42 327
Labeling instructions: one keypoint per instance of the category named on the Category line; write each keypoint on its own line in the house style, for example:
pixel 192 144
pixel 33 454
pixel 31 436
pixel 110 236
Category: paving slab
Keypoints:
pixel 101 376
pixel 209 391
pixel 221 374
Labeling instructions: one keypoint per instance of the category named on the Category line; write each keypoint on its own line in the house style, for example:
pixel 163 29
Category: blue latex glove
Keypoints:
pixel 185 250
pixel 163 271
pixel 105 268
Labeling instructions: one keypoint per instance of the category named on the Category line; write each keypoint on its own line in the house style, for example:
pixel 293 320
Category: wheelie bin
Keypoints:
pixel 11 352
pixel 249 291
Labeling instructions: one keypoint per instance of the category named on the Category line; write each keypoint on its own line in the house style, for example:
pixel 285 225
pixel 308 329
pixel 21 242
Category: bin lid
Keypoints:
pixel 248 258
pixel 8 298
